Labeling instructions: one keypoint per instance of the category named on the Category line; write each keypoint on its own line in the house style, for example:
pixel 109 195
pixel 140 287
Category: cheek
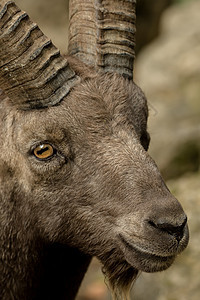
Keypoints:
pixel 22 173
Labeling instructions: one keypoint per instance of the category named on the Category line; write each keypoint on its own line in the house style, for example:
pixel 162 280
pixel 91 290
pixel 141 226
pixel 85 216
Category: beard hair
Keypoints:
pixel 119 275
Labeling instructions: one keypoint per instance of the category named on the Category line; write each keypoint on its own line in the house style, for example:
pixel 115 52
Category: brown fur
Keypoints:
pixel 95 197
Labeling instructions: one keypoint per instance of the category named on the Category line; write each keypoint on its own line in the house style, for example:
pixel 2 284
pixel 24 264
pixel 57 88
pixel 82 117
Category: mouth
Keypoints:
pixel 143 260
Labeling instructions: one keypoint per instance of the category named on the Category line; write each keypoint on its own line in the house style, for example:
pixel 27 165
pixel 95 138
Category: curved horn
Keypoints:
pixel 32 71
pixel 102 34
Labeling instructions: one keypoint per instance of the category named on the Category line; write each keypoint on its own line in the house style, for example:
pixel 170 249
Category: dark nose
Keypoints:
pixel 175 229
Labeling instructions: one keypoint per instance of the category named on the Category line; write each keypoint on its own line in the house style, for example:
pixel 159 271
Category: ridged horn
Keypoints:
pixel 102 34
pixel 32 71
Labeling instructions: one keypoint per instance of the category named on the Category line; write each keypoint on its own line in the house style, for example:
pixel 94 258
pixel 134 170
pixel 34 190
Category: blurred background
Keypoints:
pixel 168 70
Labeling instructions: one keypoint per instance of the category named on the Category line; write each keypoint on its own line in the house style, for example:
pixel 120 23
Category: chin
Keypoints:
pixel 144 260
pixel 126 257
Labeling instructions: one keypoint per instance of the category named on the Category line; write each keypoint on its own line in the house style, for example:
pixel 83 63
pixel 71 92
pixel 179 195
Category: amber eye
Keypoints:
pixel 44 151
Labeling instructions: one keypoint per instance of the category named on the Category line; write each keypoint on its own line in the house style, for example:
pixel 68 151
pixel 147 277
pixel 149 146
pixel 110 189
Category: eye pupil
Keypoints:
pixel 44 151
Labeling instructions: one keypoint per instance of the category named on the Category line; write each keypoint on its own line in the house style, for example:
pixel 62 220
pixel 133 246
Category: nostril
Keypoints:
pixel 176 230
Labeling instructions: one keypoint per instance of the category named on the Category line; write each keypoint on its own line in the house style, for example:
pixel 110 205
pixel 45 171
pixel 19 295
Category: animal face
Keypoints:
pixel 73 160
pixel 85 179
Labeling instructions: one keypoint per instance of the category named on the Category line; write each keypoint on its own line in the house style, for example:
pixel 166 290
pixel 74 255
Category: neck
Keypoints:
pixel 64 270
pixel 53 272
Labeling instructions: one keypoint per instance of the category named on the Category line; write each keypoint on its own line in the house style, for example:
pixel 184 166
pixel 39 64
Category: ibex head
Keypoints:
pixel 74 163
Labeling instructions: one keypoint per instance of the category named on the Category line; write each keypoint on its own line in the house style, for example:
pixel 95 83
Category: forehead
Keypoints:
pixel 94 108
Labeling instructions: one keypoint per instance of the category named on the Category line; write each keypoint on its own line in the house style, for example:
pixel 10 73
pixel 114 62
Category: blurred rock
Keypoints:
pixel 148 20
pixel 93 286
pixel 169 72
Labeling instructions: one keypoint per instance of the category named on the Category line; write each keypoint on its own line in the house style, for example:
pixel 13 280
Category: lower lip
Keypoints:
pixel 143 260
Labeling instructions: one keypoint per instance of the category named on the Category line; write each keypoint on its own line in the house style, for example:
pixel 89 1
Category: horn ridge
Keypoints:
pixel 102 34
pixel 32 71
pixel 18 21
pixel 8 5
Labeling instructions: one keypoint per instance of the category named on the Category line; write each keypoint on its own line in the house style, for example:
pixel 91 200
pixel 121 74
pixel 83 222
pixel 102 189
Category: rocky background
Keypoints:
pixel 168 70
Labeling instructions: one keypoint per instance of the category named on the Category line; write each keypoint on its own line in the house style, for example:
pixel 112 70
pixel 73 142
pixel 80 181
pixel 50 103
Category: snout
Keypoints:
pixel 151 242
pixel 174 229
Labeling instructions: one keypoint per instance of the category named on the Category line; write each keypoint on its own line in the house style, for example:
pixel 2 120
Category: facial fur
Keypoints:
pixel 99 190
